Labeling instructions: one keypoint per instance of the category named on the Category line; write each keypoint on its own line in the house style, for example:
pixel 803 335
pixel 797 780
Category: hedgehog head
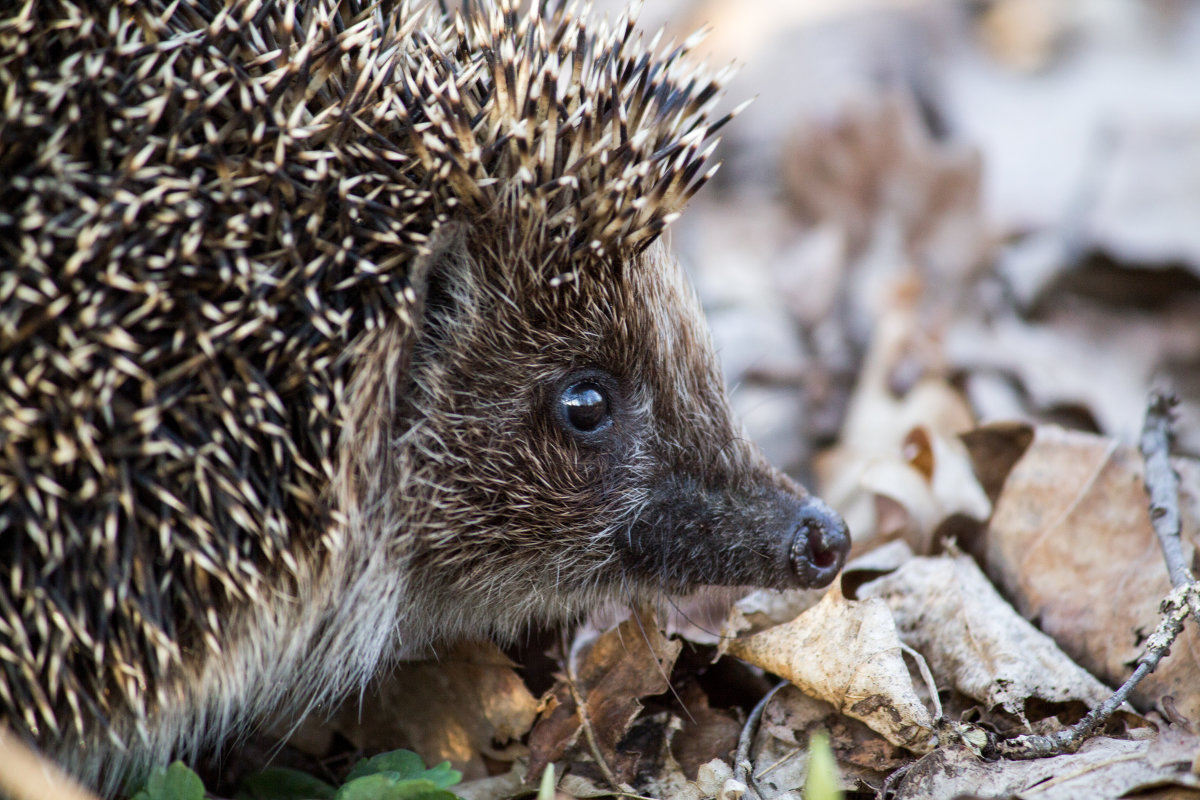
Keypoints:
pixel 561 435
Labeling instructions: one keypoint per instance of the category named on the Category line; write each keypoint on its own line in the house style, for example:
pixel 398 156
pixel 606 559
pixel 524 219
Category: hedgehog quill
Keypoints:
pixel 332 329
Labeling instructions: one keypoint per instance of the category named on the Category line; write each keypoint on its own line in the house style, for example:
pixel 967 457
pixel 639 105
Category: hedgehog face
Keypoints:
pixel 572 443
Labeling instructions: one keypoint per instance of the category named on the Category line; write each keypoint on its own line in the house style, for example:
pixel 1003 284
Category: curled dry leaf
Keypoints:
pixel 900 469
pixel 974 641
pixel 1071 544
pixel 848 654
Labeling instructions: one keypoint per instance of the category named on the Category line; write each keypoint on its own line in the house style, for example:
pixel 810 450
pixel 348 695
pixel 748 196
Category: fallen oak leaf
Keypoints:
pixel 847 653
pixel 1071 543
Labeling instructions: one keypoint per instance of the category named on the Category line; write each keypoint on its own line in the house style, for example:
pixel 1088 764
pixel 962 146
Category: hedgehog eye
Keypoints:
pixel 584 407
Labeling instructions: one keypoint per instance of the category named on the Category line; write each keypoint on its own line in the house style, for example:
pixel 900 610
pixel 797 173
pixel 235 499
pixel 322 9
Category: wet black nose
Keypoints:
pixel 819 544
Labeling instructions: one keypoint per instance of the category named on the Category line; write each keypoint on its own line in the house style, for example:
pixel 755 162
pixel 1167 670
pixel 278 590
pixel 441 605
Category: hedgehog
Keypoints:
pixel 334 329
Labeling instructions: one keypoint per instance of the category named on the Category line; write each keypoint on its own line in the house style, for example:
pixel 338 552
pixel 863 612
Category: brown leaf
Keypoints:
pixel 863 756
pixel 994 450
pixel 705 733
pixel 1070 542
pixel 467 704
pixel 623 665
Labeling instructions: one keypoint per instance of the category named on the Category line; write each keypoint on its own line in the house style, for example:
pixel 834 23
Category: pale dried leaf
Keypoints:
pixel 904 449
pixel 1102 768
pixel 765 608
pixel 848 654
pixel 974 641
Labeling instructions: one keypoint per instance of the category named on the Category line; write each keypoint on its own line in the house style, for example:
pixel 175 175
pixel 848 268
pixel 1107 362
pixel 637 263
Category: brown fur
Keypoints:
pixel 288 293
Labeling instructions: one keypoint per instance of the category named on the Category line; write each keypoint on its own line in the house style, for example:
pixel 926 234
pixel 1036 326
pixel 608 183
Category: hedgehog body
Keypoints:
pixel 329 330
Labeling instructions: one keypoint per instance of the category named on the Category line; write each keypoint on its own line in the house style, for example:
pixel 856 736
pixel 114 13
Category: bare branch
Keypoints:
pixel 1162 484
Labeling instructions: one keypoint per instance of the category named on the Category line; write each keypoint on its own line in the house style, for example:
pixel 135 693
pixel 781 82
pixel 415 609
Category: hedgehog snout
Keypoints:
pixel 818 545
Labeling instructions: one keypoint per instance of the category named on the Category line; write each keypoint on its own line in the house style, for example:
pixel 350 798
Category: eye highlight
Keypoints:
pixel 584 407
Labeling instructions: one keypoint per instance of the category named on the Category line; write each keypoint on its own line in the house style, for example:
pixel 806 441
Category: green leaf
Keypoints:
pixel 278 783
pixel 546 787
pixel 175 782
pixel 821 783
pixel 442 776
pixel 406 765
pixel 389 786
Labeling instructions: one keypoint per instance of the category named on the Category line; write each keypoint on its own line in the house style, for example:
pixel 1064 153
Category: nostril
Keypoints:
pixel 819 545
pixel 821 553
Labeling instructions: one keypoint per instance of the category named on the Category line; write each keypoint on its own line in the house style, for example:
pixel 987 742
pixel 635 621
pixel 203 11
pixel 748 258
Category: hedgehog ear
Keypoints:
pixel 446 281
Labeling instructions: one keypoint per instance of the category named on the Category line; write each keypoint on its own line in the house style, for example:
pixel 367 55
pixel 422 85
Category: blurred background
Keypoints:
pixel 1001 197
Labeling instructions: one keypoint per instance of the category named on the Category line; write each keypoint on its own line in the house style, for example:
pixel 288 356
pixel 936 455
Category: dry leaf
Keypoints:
pixel 974 641
pixel 1080 357
pixel 623 665
pixel 864 758
pixel 466 705
pixel 766 608
pixel 705 734
pixel 848 654
pixel 1103 767
pixel 1071 544
pixel 904 450
pixel 880 163
pixel 994 450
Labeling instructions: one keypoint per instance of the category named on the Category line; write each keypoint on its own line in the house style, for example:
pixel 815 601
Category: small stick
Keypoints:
pixel 1162 488
pixel 586 722
pixel 1068 740
pixel 742 768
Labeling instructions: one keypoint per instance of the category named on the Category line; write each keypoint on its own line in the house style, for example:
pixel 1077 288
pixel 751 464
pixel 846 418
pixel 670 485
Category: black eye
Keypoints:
pixel 585 407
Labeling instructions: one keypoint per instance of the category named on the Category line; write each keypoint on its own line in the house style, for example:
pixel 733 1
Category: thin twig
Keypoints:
pixel 742 768
pixel 927 676
pixel 1162 488
pixel 585 721
pixel 1068 740
pixel 893 780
